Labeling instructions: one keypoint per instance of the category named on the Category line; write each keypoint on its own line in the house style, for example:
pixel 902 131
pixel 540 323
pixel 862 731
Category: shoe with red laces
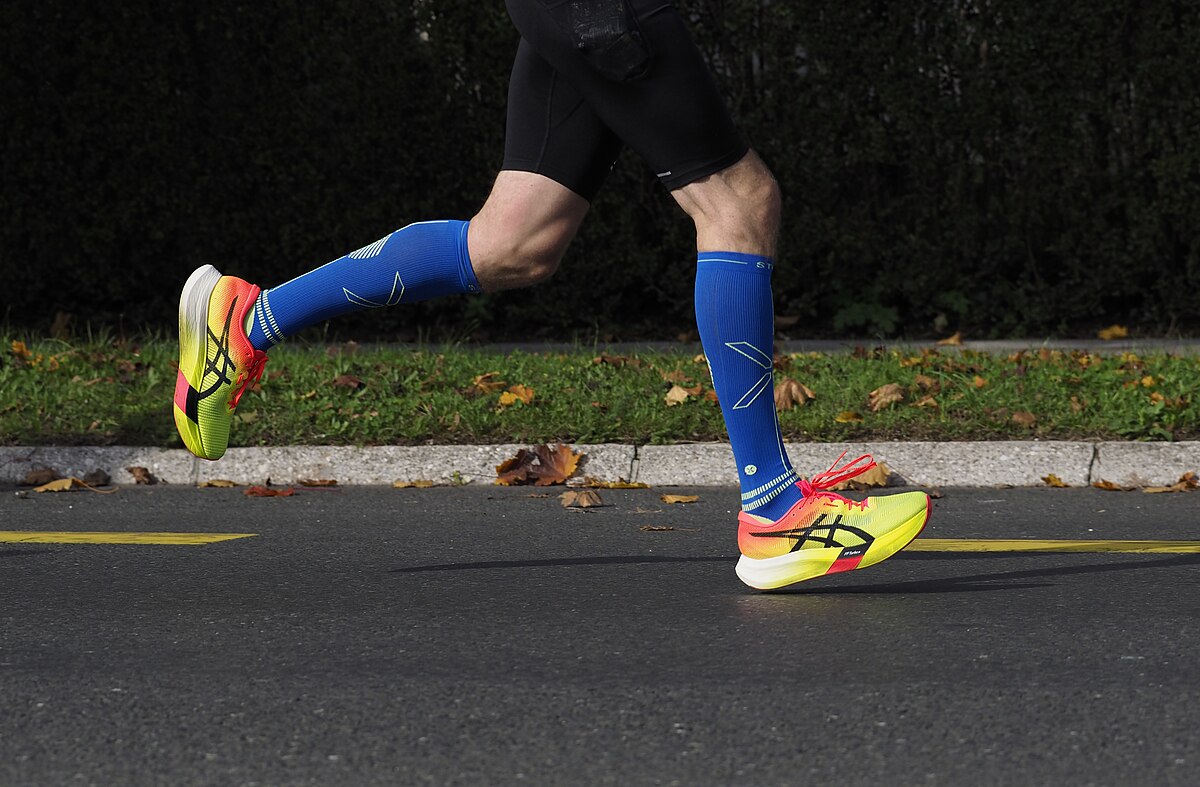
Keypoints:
pixel 216 361
pixel 825 533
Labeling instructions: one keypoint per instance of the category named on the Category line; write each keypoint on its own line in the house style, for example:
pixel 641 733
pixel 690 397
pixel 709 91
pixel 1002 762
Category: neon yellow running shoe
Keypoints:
pixel 825 533
pixel 216 361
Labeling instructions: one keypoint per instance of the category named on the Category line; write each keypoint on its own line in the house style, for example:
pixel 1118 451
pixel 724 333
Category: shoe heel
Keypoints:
pixel 193 301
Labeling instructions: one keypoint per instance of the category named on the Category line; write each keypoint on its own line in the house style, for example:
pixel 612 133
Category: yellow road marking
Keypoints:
pixel 32 537
pixel 1035 545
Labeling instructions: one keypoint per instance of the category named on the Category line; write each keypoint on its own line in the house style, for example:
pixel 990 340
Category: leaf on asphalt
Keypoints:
pixel 420 483
pixel 39 477
pixel 57 485
pixel 790 394
pixel 952 341
pixel 1024 418
pixel 219 483
pixel 655 528
pixel 97 478
pixel 678 394
pixel 266 491
pixel 620 483
pixel 875 477
pixel 672 499
pixel 142 475
pixel 847 417
pixel 543 466
pixel 580 498
pixel 348 381
pixel 1186 483
pixel 1109 486
pixel 516 393
pixel 885 396
pixel 317 482
pixel 1113 332
pixel 1055 481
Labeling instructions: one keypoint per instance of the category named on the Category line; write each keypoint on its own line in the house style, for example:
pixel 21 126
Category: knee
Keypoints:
pixel 508 262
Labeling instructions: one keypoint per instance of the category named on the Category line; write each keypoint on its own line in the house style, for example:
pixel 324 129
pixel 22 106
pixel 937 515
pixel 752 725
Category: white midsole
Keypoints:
pixel 193 310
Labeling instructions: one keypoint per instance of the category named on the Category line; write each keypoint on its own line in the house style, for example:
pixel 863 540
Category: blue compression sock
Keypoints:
pixel 416 263
pixel 736 321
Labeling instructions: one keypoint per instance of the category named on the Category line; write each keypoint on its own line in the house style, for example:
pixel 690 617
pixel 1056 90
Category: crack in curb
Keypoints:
pixel 634 465
pixel 1091 478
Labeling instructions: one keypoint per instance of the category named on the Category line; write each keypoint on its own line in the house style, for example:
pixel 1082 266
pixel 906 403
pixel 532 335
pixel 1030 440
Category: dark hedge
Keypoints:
pixel 1001 168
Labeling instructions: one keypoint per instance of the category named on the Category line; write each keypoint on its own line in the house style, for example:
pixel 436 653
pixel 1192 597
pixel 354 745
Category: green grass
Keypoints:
pixel 102 392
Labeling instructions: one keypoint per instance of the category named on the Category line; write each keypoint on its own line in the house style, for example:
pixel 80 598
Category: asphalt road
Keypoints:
pixel 484 636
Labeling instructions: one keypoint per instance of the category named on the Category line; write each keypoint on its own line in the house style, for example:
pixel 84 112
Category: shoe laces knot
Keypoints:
pixel 819 484
pixel 253 374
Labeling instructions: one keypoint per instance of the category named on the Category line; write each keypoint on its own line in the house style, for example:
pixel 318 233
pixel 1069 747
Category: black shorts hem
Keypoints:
pixel 586 189
pixel 677 180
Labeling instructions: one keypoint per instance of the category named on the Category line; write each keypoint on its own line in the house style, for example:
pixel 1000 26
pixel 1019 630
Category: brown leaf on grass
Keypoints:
pixel 700 358
pixel 1186 483
pixel 516 393
pixel 40 477
pixel 678 394
pixel 19 349
pixel 672 499
pixel 926 401
pixel 711 396
pixel 847 417
pixel 790 394
pixel 1077 406
pixel 266 491
pixel 616 360
pixel 885 396
pixel 1113 332
pixel 580 498
pixel 219 483
pixel 875 477
pixel 1024 418
pixel 420 483
pixel 348 381
pixel 927 383
pixel 952 341
pixel 543 466
pixel 675 376
pixel 980 382
pixel 1055 481
pixel 487 383
pixel 1109 486
pixel 142 476
pixel 317 482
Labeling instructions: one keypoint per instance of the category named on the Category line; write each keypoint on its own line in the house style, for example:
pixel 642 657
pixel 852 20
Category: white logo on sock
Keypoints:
pixel 760 358
pixel 392 300
pixel 750 469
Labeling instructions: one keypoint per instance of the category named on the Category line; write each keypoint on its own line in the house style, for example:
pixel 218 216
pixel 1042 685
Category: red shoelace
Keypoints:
pixel 253 374
pixel 819 484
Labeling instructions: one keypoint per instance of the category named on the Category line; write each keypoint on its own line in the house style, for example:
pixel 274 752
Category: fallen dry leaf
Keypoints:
pixel 348 381
pixel 543 466
pixel 1055 481
pixel 926 383
pixel 580 498
pixel 980 382
pixel 675 376
pixel 926 401
pixel 57 485
pixel 847 417
pixel 875 477
pixel 266 491
pixel 952 341
pixel 1186 483
pixel 678 394
pixel 40 477
pixel 1109 486
pixel 711 396
pixel 1113 332
pixel 418 484
pixel 487 383
pixel 317 482
pixel 620 483
pixel 219 483
pixel 789 394
pixel 1077 406
pixel 142 475
pixel 885 396
pixel 1024 418
pixel 516 393
pixel 655 528
pixel 671 499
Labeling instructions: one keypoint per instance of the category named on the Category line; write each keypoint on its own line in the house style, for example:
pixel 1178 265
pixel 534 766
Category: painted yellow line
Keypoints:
pixel 1035 545
pixel 31 537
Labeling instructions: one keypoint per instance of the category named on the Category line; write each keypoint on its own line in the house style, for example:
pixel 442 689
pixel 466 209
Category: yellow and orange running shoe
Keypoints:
pixel 216 361
pixel 825 533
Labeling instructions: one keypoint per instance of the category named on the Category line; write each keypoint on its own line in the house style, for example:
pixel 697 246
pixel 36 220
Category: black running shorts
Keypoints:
pixel 591 75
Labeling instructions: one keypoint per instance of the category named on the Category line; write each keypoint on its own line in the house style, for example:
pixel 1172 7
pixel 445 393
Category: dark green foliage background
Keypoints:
pixel 1016 168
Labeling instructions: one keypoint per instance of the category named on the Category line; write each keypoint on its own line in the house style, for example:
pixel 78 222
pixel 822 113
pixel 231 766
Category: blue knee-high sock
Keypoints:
pixel 416 263
pixel 736 321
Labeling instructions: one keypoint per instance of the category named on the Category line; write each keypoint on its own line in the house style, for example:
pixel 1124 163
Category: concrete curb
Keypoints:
pixel 1013 463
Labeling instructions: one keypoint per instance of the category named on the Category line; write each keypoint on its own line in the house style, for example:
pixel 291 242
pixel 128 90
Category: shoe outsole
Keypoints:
pixel 777 572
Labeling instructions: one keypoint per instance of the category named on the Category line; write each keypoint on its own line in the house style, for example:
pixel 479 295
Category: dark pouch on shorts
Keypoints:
pixel 606 33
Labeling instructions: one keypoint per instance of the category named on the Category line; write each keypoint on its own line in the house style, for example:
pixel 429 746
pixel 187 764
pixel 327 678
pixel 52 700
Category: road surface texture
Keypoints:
pixel 490 636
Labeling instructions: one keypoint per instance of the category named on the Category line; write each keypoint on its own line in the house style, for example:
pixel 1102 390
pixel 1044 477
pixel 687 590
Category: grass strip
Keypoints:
pixel 103 392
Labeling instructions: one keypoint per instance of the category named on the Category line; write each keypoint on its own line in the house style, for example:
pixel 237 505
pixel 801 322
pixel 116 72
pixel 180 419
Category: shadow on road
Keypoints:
pixel 563 561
